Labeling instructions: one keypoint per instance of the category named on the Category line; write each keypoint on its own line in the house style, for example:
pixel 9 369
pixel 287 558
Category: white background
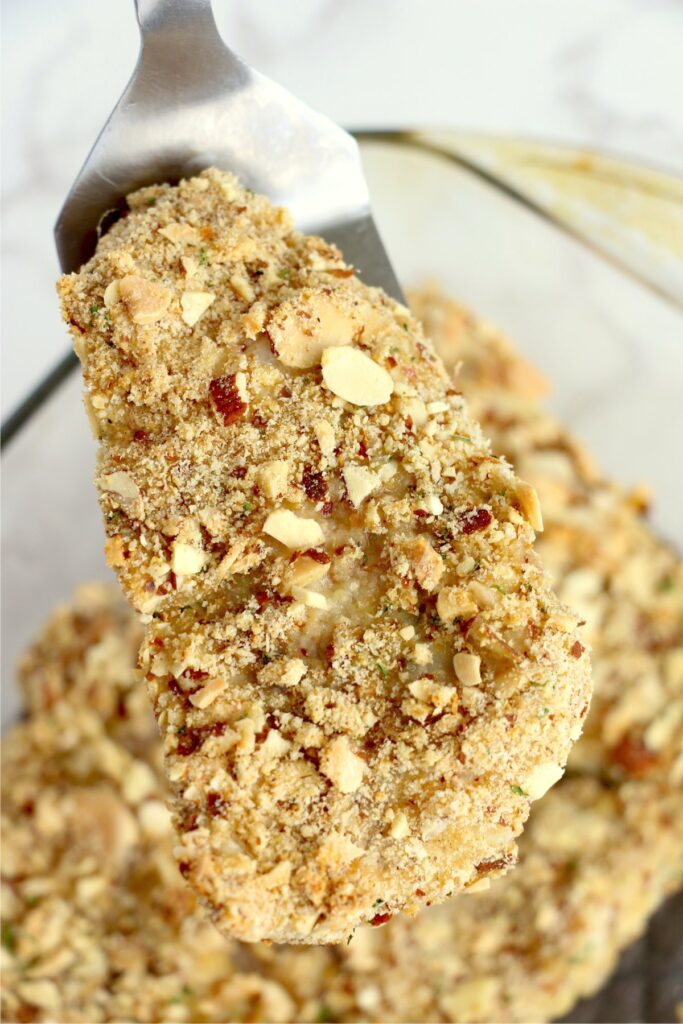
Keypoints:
pixel 605 73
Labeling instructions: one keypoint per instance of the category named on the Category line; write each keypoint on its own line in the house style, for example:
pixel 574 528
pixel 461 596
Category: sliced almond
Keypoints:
pixel 530 505
pixel 311 598
pixel 432 504
pixel 181 233
pixel 485 597
pixel 480 885
pixel 293 671
pixel 325 436
pixel 341 766
pixel 336 851
pixel 454 603
pixel 120 483
pixel 399 827
pixel 242 556
pixel 194 305
pixel 282 672
pixel 360 482
pixel 146 301
pixel 306 571
pixel 541 779
pixel 414 408
pixel 273 478
pixel 353 376
pixel 112 294
pixel 241 285
pixel 208 693
pixel 426 563
pixel 407 633
pixel 300 330
pixel 430 692
pixel 467 668
pixel 434 408
pixel 187 559
pixel 189 265
pixel 293 531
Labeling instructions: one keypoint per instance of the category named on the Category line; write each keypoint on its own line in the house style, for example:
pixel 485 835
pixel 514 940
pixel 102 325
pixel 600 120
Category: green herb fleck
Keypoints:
pixel 181 730
pixel 94 309
pixel 378 903
pixel 284 273
pixel 8 937
pixel 405 327
pixel 500 589
pixel 464 437
pixel 382 670
pixel 247 506
pixel 665 585
pixel 151 201
pixel 324 1014
pixel 544 713
pixel 203 257
pixel 180 997
pixel 518 790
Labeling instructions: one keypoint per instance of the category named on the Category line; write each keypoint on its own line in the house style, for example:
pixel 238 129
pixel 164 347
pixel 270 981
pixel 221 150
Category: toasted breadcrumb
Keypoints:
pixel 199 397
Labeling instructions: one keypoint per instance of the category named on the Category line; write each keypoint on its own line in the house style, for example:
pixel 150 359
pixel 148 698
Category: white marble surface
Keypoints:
pixel 603 73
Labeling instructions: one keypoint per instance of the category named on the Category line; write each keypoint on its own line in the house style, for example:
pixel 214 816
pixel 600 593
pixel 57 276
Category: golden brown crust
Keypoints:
pixel 289 483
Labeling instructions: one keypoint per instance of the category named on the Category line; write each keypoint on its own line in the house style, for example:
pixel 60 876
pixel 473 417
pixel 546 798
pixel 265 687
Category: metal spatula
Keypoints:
pixel 192 103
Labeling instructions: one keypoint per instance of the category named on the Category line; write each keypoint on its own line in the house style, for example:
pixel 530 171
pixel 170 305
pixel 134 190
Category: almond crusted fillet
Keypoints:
pixel 604 559
pixel 350 640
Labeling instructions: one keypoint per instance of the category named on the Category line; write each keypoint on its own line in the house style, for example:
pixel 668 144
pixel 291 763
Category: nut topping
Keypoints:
pixel 467 668
pixel 208 693
pixel 293 531
pixel 146 301
pixel 541 779
pixel 273 478
pixel 301 330
pixel 530 505
pixel 122 484
pixel 426 563
pixel 181 233
pixel 356 378
pixel 187 559
pixel 341 766
pixel 360 483
pixel 194 305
